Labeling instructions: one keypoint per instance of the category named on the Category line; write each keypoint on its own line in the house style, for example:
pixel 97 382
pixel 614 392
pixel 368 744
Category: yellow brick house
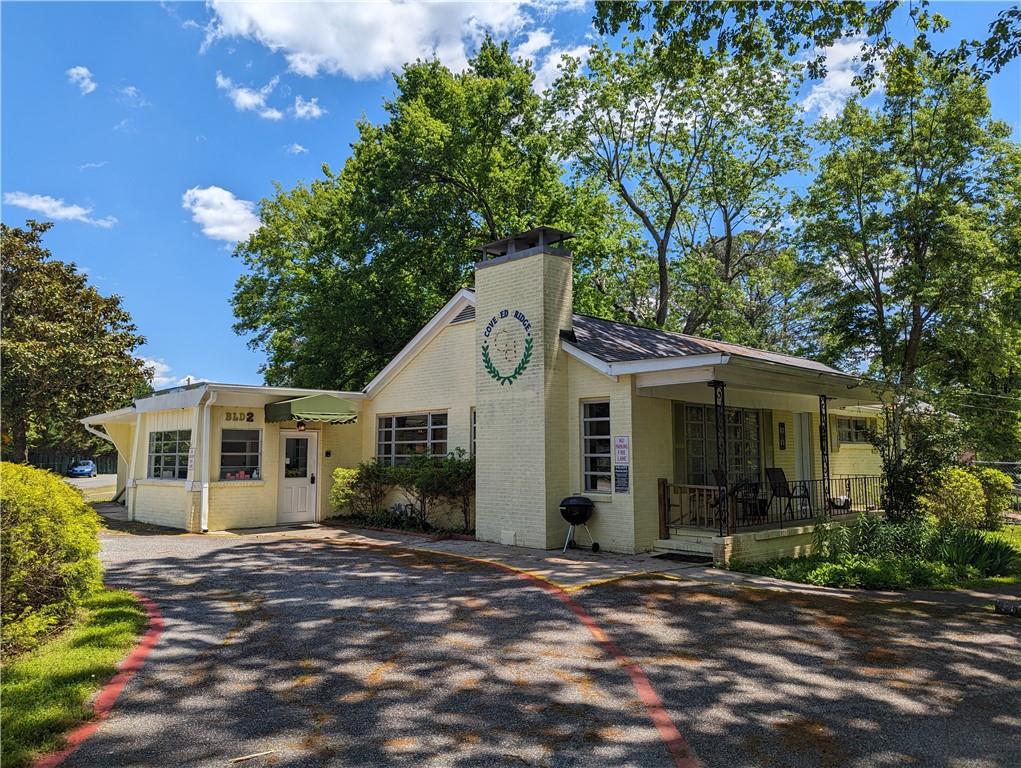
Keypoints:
pixel 679 442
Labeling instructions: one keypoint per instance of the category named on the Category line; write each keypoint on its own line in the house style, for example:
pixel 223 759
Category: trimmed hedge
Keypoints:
pixel 998 488
pixel 49 554
pixel 954 496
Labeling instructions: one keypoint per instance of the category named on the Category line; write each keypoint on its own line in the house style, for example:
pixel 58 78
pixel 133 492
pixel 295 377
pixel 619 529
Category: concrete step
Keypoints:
pixel 700 535
pixel 678 544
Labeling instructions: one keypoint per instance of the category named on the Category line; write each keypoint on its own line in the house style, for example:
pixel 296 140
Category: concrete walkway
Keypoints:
pixel 575 570
pixel 579 569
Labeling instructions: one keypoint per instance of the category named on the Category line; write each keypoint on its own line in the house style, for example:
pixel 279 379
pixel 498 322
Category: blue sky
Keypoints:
pixel 150 132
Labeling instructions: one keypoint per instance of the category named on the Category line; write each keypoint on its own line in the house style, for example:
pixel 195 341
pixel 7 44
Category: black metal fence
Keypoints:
pixel 778 504
pixel 747 505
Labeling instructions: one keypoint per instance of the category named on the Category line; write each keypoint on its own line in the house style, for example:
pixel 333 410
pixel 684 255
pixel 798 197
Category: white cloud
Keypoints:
pixel 133 97
pixel 365 40
pixel 537 40
pixel 550 69
pixel 220 214
pixel 829 95
pixel 82 77
pixel 90 166
pixel 307 110
pixel 123 125
pixel 164 376
pixel 56 209
pixel 296 149
pixel 250 99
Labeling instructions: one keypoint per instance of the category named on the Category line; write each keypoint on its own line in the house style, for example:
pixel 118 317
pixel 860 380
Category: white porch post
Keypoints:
pixel 206 429
pixel 132 467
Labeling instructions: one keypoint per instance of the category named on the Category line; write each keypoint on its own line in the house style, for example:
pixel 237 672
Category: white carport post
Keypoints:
pixel 204 475
pixel 132 465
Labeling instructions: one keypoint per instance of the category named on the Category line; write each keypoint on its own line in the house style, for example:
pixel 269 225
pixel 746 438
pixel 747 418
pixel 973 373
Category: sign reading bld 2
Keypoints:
pixel 507 345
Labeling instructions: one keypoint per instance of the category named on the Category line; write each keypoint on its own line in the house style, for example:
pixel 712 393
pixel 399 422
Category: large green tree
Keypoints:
pixel 690 28
pixel 694 156
pixel 345 270
pixel 67 350
pixel 919 273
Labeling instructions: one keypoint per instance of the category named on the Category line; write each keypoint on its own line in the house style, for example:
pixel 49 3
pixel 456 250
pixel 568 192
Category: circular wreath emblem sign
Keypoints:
pixel 507 345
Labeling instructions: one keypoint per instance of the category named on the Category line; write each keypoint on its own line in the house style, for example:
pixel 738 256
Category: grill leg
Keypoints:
pixel 591 540
pixel 570 535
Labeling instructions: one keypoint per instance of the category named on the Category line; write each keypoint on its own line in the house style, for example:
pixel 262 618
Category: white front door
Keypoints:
pixel 299 462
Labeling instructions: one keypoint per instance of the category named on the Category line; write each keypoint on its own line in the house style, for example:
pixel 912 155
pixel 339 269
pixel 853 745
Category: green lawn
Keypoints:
pixel 46 692
pixel 1010 534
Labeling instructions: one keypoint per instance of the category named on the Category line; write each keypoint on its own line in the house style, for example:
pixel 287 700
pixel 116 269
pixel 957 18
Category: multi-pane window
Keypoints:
pixel 398 438
pixel 168 454
pixel 854 430
pixel 239 454
pixel 744 455
pixel 596 448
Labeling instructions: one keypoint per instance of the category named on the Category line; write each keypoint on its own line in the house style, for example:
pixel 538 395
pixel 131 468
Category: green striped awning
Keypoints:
pixel 326 408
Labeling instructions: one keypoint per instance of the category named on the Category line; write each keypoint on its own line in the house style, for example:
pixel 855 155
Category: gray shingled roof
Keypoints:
pixel 614 342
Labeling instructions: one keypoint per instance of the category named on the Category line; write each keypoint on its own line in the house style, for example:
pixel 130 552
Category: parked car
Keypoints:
pixel 82 468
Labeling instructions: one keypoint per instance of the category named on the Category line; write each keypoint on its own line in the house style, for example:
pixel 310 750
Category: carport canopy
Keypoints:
pixel 325 408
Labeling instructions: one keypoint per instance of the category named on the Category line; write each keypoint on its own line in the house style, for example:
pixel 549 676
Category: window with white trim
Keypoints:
pixel 240 454
pixel 851 430
pixel 398 438
pixel 168 454
pixel 596 450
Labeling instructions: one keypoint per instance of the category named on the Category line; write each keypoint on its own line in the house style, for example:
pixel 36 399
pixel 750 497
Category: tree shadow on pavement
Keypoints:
pixel 336 652
pixel 763 678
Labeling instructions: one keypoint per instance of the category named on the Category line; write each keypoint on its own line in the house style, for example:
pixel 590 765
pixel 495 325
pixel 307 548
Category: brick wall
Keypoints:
pixel 520 475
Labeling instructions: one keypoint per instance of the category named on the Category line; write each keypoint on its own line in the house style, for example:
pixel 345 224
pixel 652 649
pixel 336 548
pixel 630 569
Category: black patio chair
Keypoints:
pixel 789 493
pixel 746 497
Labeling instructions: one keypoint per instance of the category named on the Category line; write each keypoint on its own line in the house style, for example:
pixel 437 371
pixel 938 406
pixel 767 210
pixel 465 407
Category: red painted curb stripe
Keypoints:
pixel 675 743
pixel 108 693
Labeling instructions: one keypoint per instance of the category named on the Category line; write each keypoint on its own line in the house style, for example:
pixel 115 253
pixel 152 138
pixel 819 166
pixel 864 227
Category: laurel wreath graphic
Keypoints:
pixel 518 370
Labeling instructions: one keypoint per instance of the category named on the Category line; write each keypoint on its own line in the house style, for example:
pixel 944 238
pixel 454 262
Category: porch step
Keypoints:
pixel 684 544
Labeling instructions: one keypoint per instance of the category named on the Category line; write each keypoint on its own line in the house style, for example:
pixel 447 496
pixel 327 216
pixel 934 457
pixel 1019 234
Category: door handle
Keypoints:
pixel 313 478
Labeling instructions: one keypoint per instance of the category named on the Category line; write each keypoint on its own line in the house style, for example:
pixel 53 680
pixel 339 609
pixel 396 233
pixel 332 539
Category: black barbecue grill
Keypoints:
pixel 577 510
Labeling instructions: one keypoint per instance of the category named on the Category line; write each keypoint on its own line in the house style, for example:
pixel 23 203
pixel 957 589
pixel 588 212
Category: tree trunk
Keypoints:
pixel 663 301
pixel 19 441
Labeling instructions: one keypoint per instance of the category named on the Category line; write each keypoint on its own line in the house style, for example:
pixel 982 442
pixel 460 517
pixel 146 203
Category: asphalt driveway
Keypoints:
pixel 339 652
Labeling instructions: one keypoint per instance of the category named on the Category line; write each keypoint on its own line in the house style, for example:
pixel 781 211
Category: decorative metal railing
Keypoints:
pixel 763 504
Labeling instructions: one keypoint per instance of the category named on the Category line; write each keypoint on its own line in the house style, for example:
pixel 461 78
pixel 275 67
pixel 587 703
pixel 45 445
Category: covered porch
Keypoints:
pixel 758 446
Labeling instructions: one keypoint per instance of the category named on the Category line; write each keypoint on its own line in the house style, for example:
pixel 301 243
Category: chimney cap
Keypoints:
pixel 539 237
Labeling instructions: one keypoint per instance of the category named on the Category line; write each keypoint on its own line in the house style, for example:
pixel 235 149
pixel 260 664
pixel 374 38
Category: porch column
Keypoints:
pixel 720 401
pixel 824 451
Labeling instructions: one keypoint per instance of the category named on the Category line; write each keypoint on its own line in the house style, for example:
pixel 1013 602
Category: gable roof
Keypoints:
pixel 450 313
pixel 610 341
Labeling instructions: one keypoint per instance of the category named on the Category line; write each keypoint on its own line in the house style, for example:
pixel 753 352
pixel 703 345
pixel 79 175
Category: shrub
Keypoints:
pixel 362 489
pixel 963 550
pixel 49 553
pixel 875 536
pixel 456 483
pixel 913 444
pixel 421 482
pixel 881 573
pixel 954 496
pixel 344 489
pixel 998 488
